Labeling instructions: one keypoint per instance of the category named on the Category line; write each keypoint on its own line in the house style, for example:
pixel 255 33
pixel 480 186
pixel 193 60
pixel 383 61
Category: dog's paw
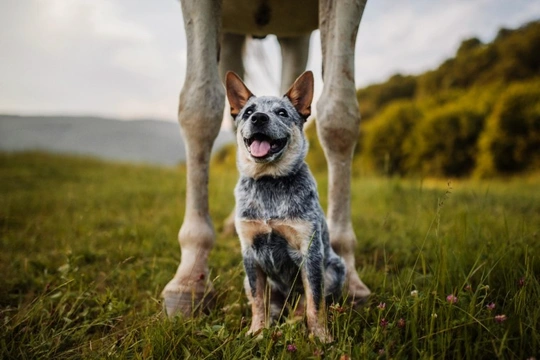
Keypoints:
pixel 256 332
pixel 187 303
pixel 322 334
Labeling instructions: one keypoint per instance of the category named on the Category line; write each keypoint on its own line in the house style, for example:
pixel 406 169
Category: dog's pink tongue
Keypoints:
pixel 259 148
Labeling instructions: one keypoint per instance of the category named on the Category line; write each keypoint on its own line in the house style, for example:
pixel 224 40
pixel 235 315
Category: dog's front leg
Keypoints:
pixel 255 285
pixel 313 281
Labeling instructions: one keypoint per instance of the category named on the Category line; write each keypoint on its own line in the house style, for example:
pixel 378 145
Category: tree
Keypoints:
pixel 444 143
pixel 385 135
pixel 511 142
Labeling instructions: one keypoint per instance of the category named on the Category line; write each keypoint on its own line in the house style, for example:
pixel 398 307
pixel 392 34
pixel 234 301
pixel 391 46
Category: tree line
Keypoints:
pixel 477 114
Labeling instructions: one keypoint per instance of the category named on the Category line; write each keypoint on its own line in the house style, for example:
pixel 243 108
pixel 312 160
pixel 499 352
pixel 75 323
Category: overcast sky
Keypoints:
pixel 126 58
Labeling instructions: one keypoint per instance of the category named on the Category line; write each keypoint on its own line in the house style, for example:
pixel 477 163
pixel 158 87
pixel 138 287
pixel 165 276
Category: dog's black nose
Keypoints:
pixel 259 118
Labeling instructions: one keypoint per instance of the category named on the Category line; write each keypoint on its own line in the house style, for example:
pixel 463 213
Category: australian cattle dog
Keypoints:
pixel 280 222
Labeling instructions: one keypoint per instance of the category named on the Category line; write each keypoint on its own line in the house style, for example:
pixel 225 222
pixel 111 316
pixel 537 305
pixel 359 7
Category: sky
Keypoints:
pixel 126 58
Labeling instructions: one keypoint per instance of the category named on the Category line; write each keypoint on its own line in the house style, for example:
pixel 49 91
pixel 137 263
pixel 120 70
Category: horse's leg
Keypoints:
pixel 232 51
pixel 199 113
pixel 338 120
pixel 294 57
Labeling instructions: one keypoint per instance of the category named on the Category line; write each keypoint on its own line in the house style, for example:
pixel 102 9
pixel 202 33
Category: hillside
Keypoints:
pixel 142 141
pixel 477 114
pixel 512 56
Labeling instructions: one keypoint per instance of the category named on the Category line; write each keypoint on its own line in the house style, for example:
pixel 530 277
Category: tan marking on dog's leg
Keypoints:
pixel 248 229
pixel 258 303
pixel 299 306
pixel 316 319
pixel 199 113
pixel 299 235
pixel 338 120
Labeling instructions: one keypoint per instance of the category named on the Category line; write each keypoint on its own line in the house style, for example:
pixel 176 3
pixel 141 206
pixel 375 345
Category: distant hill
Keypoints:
pixel 512 56
pixel 142 141
pixel 477 114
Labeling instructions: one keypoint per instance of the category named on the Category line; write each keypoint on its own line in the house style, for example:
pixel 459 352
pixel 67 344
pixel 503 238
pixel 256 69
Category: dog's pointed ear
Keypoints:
pixel 237 92
pixel 301 94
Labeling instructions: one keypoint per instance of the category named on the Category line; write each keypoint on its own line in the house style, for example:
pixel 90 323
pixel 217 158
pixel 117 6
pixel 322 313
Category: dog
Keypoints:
pixel 279 220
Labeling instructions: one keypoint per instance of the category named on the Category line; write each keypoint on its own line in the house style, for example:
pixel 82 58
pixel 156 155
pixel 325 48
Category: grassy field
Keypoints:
pixel 87 246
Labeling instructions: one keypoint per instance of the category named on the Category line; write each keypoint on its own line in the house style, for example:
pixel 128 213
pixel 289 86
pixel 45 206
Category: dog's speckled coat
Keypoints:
pixel 279 220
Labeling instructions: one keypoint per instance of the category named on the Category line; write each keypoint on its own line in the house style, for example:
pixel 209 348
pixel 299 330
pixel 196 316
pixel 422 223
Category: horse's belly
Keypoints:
pixel 264 17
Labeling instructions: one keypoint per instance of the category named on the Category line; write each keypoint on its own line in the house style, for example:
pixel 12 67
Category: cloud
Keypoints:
pixel 99 57
pixel 127 58
pixel 96 18
pixel 414 36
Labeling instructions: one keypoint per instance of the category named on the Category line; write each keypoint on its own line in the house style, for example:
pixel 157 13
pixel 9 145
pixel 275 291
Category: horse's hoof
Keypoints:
pixel 186 303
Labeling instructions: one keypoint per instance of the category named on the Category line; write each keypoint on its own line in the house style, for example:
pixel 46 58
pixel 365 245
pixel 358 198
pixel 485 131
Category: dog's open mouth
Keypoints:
pixel 260 146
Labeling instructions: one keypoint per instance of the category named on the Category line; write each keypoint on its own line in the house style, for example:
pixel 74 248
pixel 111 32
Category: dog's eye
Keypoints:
pixel 283 113
pixel 249 111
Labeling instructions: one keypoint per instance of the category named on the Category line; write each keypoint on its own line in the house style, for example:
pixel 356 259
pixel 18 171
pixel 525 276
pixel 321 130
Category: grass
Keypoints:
pixel 86 247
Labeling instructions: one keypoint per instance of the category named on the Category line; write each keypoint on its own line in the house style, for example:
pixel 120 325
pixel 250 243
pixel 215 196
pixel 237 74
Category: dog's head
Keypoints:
pixel 269 129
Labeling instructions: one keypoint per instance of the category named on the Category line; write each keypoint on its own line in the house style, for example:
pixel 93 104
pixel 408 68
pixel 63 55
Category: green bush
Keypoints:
pixel 224 158
pixel 384 137
pixel 512 56
pixel 375 97
pixel 511 141
pixel 444 143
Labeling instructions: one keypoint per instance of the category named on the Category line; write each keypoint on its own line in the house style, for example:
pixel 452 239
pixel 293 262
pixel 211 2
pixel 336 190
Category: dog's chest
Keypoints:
pixel 296 233
pixel 293 197
pixel 287 207
pixel 277 259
